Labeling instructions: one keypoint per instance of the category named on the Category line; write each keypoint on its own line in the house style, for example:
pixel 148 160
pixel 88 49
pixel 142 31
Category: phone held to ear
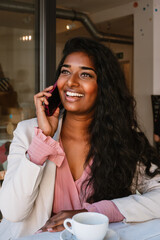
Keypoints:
pixel 54 101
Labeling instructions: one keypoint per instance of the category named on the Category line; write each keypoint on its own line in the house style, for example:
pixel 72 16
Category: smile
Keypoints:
pixel 72 94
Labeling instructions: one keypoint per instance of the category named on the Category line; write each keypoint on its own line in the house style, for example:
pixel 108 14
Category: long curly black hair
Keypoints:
pixel 117 142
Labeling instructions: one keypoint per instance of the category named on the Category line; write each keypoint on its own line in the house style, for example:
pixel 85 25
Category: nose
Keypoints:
pixel 73 80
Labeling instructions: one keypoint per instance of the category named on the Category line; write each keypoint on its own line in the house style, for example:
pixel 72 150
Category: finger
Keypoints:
pixel 55 114
pixel 42 101
pixel 51 229
pixel 48 88
pixel 56 228
pixel 53 224
pixel 41 96
pixel 49 224
pixel 39 231
pixel 43 229
pixel 43 93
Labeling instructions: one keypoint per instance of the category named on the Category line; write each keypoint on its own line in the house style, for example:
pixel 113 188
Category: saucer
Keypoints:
pixel 111 235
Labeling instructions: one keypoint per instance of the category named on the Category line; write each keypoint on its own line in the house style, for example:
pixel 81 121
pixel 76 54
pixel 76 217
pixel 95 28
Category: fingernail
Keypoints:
pixel 39 231
pixel 50 229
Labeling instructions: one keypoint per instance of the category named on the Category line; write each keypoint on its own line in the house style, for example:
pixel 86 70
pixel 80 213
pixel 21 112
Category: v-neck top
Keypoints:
pixel 68 194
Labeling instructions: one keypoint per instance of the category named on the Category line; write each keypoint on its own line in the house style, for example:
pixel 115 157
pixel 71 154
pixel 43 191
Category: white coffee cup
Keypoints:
pixel 88 225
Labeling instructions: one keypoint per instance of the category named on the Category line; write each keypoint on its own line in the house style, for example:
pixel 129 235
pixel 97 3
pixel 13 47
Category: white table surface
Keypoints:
pixel 136 231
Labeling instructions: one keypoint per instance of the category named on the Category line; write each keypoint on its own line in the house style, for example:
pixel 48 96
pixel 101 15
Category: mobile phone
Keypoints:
pixel 54 101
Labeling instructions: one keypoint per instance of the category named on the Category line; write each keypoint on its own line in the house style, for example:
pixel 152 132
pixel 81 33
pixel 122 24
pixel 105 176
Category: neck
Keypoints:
pixel 76 127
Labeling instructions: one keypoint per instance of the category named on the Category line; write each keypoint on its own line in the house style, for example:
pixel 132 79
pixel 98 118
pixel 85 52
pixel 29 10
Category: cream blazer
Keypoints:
pixel 27 193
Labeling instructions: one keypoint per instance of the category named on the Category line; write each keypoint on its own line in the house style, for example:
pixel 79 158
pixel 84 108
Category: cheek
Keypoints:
pixel 59 84
pixel 92 90
pixel 60 87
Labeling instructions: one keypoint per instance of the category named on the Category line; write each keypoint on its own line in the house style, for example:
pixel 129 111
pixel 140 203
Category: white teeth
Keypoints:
pixel 72 94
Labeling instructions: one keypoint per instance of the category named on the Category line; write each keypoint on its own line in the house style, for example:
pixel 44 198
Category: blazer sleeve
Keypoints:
pixel 144 205
pixel 20 187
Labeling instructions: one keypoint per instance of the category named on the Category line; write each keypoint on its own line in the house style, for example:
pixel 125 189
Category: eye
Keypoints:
pixel 65 72
pixel 86 75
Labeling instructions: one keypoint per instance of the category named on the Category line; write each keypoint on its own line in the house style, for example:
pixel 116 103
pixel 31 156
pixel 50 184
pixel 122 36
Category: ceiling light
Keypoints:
pixel 70 26
pixel 26 38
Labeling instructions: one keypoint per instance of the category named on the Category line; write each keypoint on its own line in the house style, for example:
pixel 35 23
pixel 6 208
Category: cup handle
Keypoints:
pixel 65 223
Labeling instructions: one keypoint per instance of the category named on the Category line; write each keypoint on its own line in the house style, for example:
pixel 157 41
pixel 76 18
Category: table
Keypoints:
pixel 149 230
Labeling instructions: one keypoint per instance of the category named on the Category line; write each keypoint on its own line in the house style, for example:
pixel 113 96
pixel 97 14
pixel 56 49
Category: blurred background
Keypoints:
pixel 33 34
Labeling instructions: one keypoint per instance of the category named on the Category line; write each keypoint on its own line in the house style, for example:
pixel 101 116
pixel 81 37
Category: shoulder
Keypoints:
pixel 27 125
pixel 25 129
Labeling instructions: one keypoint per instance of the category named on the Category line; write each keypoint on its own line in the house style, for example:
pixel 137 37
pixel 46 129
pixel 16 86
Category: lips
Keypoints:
pixel 74 94
pixel 72 97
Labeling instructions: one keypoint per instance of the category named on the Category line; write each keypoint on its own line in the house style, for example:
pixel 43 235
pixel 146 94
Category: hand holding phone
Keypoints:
pixel 54 101
pixel 46 104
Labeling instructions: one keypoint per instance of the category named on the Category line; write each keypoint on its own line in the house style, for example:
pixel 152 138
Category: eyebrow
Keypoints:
pixel 83 67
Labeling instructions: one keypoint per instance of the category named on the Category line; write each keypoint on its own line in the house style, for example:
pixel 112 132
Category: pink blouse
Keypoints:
pixel 68 194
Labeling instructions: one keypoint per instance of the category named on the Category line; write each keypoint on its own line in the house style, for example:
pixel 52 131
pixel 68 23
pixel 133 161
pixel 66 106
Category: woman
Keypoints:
pixel 91 156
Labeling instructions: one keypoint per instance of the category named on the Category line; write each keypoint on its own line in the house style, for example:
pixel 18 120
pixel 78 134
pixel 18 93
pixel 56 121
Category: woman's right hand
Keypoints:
pixel 48 125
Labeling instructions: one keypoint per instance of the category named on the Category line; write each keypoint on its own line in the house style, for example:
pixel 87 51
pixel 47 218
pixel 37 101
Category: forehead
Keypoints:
pixel 80 59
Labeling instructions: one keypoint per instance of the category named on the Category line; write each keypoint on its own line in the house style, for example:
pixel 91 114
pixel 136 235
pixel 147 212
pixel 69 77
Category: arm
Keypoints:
pixel 20 186
pixel 26 187
pixel 144 205
pixel 107 208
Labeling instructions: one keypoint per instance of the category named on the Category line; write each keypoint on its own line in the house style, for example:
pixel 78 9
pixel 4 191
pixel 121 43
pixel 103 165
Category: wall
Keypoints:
pixel 143 64
pixel 17 59
pixel 127 51
pixel 156 48
pixel 116 48
pixel 146 54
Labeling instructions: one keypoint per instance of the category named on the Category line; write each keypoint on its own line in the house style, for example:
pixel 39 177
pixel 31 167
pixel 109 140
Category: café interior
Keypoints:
pixel 32 36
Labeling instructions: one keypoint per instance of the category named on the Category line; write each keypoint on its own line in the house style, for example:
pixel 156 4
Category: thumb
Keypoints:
pixel 56 113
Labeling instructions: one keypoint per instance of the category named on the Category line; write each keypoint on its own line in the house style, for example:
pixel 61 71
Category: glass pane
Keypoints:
pixel 17 73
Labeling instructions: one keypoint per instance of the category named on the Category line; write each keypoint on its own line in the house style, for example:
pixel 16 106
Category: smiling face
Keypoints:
pixel 77 83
